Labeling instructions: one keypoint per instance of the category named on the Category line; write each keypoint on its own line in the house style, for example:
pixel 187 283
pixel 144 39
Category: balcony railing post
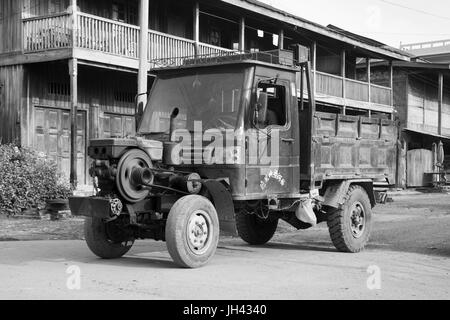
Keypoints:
pixel 368 78
pixel 242 35
pixel 391 78
pixel 314 64
pixel 440 102
pixel 196 28
pixel 343 73
pixel 74 23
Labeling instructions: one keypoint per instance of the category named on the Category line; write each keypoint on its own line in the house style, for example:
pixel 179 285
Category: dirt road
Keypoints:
pixel 408 258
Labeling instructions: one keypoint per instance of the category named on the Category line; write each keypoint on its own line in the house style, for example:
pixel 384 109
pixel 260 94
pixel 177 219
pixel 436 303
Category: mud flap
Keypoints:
pixel 223 202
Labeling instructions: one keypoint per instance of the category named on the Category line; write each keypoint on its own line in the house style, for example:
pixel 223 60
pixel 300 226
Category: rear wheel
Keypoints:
pixel 106 240
pixel 192 231
pixel 350 227
pixel 253 229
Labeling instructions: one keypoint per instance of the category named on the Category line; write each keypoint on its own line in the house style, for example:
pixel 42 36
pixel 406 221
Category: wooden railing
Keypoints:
pixel 329 84
pixel 46 33
pixel 210 50
pixel 108 36
pixel 332 85
pixel 163 46
pixel 356 90
pixel 168 49
pixel 380 95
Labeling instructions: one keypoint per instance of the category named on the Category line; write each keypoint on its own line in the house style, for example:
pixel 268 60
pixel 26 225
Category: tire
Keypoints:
pixel 98 240
pixel 350 227
pixel 254 230
pixel 192 231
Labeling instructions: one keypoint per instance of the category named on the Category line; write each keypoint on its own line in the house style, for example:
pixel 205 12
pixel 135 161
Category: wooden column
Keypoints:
pixel 242 34
pixel 74 23
pixel 343 73
pixel 143 55
pixel 281 40
pixel 314 63
pixel 440 102
pixel 391 77
pixel 73 72
pixel 196 28
pixel 368 79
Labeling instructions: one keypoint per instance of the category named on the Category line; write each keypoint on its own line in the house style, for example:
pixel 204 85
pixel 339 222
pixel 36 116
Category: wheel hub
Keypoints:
pixel 358 220
pixel 198 232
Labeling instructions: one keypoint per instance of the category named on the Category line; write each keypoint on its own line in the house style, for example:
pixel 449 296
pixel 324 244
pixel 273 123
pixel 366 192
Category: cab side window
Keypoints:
pixel 276 104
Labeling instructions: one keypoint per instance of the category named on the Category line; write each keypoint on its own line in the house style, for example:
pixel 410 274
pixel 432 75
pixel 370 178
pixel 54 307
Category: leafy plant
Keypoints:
pixel 28 179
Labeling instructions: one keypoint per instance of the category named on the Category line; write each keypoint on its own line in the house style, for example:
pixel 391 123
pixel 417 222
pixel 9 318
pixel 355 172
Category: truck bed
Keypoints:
pixel 347 147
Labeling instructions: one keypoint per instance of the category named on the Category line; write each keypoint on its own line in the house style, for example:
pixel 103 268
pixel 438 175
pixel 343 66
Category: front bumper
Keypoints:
pixel 92 207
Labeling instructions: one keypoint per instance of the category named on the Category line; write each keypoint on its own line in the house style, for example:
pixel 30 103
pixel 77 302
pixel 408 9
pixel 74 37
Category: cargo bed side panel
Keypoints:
pixel 349 147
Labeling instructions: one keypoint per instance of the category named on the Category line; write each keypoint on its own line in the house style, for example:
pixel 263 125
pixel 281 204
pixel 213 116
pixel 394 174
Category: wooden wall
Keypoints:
pixel 113 91
pixel 35 8
pixel 328 60
pixel 11 85
pixel 423 105
pixel 10 26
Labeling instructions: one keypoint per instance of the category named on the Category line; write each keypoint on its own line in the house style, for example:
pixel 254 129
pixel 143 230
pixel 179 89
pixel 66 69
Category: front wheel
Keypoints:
pixel 192 231
pixel 350 227
pixel 106 240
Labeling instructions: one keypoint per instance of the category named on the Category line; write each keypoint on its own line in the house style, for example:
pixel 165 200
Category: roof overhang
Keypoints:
pixel 424 66
pixel 427 134
pixel 285 17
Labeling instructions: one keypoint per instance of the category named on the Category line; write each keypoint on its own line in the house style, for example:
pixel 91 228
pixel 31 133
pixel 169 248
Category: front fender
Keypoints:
pixel 221 197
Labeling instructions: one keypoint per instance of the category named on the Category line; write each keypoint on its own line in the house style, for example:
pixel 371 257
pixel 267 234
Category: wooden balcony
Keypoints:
pixel 96 35
pixel 352 93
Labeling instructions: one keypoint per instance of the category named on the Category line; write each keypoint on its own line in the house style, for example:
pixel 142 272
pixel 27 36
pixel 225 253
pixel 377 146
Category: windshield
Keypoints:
pixel 212 98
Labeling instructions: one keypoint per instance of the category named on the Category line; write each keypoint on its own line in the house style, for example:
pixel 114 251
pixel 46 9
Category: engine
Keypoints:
pixel 130 169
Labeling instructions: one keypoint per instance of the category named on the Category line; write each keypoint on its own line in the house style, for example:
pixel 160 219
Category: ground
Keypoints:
pixel 409 250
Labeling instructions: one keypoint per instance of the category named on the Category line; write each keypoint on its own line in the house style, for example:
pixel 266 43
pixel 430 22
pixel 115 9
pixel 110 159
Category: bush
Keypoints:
pixel 28 180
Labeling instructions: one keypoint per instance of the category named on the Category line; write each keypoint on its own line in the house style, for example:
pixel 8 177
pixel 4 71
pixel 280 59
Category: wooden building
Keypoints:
pixel 56 55
pixel 422 105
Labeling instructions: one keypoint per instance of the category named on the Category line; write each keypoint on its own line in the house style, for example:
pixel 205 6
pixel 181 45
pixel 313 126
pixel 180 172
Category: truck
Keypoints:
pixel 235 144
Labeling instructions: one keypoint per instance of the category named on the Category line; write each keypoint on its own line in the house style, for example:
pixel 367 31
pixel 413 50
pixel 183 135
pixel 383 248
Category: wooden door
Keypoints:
pixel 419 162
pixel 52 138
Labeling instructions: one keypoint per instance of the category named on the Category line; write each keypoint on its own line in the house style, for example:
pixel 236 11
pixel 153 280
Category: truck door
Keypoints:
pixel 272 145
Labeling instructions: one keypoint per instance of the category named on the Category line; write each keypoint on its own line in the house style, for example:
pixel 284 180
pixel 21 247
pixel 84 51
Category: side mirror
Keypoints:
pixel 261 109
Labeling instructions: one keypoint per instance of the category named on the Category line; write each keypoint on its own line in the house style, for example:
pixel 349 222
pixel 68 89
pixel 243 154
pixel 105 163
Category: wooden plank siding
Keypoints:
pixel 35 8
pixel 113 91
pixel 10 26
pixel 11 90
pixel 423 105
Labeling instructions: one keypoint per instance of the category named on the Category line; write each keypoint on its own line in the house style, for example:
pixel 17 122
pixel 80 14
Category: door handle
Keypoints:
pixel 288 140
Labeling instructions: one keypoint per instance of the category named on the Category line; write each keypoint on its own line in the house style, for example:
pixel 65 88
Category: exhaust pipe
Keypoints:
pixel 173 116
